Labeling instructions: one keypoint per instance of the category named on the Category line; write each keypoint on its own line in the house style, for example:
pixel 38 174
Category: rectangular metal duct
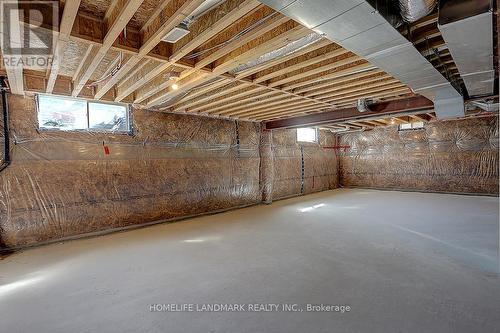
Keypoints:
pixel 358 27
pixel 467 29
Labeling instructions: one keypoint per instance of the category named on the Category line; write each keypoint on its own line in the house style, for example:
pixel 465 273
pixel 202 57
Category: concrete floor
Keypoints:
pixel 403 262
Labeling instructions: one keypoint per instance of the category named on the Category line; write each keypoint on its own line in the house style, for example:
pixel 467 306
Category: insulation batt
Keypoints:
pixel 320 165
pixel 64 184
pixel 459 156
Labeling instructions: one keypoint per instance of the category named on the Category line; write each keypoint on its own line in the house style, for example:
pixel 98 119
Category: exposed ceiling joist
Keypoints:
pixel 171 16
pixel 278 60
pixel 276 39
pixel 13 63
pixel 117 20
pixel 68 18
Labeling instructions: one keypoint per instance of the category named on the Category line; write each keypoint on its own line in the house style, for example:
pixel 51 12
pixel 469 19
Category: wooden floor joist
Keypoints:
pixel 68 18
pixel 13 63
pixel 116 23
pixel 240 60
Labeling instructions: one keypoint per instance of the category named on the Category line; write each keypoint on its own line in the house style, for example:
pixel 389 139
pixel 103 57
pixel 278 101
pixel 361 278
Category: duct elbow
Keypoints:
pixel 413 10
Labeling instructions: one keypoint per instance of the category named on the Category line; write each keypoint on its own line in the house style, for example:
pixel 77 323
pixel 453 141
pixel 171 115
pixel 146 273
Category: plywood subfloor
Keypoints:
pixel 409 262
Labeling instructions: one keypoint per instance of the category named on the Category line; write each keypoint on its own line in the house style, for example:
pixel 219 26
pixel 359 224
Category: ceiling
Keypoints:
pixel 241 60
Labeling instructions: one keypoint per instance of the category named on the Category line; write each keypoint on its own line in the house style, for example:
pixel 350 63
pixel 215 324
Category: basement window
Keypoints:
pixel 411 126
pixel 307 135
pixel 72 114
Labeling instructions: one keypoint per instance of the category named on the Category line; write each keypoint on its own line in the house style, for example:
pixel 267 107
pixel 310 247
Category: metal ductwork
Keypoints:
pixel 467 29
pixel 358 27
pixel 363 105
pixel 413 10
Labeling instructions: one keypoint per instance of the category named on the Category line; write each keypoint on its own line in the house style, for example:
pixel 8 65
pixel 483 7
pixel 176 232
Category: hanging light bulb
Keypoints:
pixel 175 86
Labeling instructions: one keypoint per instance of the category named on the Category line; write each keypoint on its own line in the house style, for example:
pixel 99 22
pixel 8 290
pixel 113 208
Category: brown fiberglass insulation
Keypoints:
pixel 63 184
pixel 458 156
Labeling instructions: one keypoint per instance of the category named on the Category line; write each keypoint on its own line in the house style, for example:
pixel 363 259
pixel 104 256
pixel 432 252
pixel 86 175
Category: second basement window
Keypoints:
pixel 410 126
pixel 307 135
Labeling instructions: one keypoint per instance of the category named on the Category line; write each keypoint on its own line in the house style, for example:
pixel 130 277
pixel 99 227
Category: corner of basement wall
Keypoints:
pixel 64 185
pixel 452 156
pixel 302 168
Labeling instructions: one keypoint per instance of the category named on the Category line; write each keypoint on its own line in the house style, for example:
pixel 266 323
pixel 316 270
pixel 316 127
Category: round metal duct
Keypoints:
pixel 413 10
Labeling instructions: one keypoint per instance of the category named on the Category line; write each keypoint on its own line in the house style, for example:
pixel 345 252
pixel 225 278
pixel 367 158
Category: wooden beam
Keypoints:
pixel 154 16
pixel 170 17
pixel 301 74
pixel 246 103
pixel 301 64
pixel 364 93
pixel 68 18
pixel 404 119
pixel 138 78
pixel 266 103
pixel 298 111
pixel 285 104
pixel 336 74
pixel 208 102
pixel 374 95
pixel 270 24
pixel 354 125
pixel 421 117
pixel 296 106
pixel 378 109
pixel 384 122
pixel 118 18
pixel 342 90
pixel 251 92
pixel 376 122
pixel 13 63
pixel 87 29
pixel 211 24
pixel 191 98
pixel 366 124
pixel 156 86
pixel 310 90
pixel 276 39
pixel 278 60
pixel 202 30
pixel 348 82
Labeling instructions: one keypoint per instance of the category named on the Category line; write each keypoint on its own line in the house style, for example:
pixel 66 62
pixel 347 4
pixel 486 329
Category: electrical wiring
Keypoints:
pixel 235 37
pixel 109 75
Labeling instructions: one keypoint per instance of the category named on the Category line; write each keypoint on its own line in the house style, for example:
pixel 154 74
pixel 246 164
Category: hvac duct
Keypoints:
pixel 358 27
pixel 363 105
pixel 467 29
pixel 413 10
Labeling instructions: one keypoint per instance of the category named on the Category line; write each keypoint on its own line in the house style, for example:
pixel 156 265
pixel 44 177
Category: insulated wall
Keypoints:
pixel 459 156
pixel 301 168
pixel 69 184
pixel 63 184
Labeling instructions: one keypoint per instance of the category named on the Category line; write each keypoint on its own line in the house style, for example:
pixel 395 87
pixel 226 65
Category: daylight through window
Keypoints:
pixel 68 114
pixel 410 126
pixel 307 135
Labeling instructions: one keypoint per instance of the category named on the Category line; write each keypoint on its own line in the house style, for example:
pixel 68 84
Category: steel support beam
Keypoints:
pixel 418 103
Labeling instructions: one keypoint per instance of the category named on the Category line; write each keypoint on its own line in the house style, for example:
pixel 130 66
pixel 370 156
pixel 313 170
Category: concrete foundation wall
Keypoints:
pixel 458 156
